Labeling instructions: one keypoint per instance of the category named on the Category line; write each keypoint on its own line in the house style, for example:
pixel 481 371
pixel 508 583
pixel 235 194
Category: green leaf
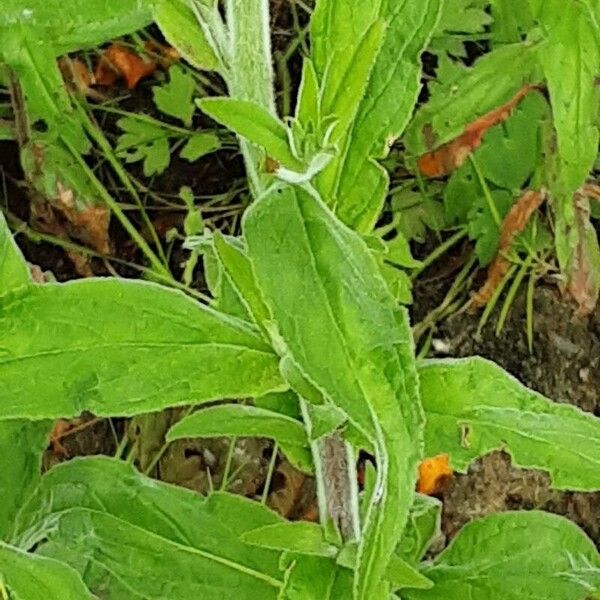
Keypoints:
pixel 247 421
pixel 424 525
pixel 238 270
pixel 175 98
pixel 22 444
pixel 389 97
pixel 144 140
pixel 117 347
pixel 298 537
pixel 71 25
pixel 417 213
pixel 199 145
pixel 483 227
pixel 570 56
pixel 491 82
pixel 256 124
pixel 140 531
pixel 473 407
pixel 351 341
pixel 512 556
pixel 34 577
pixel 181 29
pixel 285 403
pixel 511 20
pixel 13 268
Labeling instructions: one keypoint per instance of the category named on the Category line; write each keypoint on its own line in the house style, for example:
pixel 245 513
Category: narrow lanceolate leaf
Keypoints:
pixel 473 92
pixel 238 271
pixel 389 97
pixel 247 421
pixel 513 556
pixel 101 515
pixel 254 123
pixel 122 348
pixel 13 268
pixel 474 407
pixel 38 578
pixel 338 323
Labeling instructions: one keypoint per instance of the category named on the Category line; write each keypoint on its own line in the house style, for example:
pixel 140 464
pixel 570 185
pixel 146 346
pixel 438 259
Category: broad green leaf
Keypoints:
pixel 389 97
pixel 22 444
pixel 254 123
pixel 350 340
pixel 473 407
pixel 199 145
pixel 512 556
pixel 13 268
pixel 30 577
pixel 285 403
pixel 424 524
pixel 491 82
pixel 175 98
pixel 142 532
pixel 511 20
pixel 180 27
pixel 238 270
pixel 299 537
pixel 117 347
pixel 71 25
pixel 247 421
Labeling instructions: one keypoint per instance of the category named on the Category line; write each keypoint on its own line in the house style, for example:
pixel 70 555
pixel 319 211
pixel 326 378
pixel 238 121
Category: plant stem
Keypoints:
pixel 250 75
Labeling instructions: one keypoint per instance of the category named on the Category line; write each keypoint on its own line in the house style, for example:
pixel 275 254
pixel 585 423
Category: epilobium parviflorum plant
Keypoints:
pixel 302 314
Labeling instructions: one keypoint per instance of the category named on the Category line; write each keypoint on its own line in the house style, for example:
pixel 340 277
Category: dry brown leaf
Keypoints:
pixel 514 223
pixel 584 278
pixel 434 474
pixel 118 61
pixel 443 160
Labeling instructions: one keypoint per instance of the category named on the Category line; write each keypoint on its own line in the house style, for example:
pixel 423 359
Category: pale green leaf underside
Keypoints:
pixel 473 407
pixel 116 347
pixel 31 577
pixel 140 532
pixel 512 556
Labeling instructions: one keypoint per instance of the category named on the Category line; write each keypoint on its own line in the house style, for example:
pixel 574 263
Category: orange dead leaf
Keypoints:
pixel 166 55
pixel 513 224
pixel 434 473
pixel 76 73
pixel 443 160
pixel 584 281
pixel 119 61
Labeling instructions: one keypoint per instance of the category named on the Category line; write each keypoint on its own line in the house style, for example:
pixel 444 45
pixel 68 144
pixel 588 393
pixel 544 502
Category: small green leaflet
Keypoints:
pixel 473 407
pixel 32 577
pixel 144 140
pixel 416 213
pixel 256 124
pixel 117 347
pixel 199 145
pixel 513 556
pixel 175 98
